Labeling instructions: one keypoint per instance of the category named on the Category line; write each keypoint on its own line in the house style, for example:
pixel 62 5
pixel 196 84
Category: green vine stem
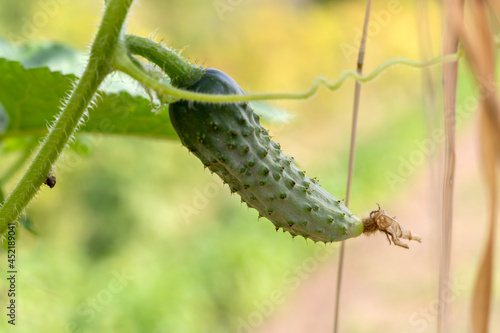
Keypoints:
pixel 181 72
pixel 124 63
pixel 98 67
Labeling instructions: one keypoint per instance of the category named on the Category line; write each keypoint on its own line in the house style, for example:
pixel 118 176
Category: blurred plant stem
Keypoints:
pixel 450 73
pixel 357 97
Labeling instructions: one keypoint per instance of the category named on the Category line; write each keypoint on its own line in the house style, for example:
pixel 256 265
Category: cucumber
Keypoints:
pixel 231 142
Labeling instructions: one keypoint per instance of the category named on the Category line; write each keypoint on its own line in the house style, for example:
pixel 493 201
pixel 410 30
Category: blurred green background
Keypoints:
pixel 137 237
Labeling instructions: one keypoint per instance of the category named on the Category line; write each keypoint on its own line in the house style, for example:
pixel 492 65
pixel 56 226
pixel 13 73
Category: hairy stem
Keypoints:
pixel 181 72
pixel 99 65
pixel 125 64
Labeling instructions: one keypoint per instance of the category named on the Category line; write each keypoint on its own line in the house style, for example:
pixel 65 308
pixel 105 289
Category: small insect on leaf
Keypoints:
pixel 50 181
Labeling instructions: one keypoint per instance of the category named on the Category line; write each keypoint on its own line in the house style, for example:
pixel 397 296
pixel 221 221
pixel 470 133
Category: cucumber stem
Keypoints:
pixel 379 220
pixel 98 67
pixel 123 63
pixel 181 72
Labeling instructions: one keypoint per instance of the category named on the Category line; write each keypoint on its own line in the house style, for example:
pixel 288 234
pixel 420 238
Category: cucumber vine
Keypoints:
pixel 98 67
pixel 149 49
pixel 113 50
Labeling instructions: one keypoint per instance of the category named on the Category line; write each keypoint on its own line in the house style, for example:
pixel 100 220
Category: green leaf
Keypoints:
pixel 31 99
pixel 54 55
pixel 129 115
pixel 271 113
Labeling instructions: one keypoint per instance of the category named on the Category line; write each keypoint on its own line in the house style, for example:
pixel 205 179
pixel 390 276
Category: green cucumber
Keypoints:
pixel 231 142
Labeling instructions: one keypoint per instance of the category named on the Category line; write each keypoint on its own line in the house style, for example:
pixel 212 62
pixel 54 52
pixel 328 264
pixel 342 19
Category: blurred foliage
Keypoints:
pixel 135 237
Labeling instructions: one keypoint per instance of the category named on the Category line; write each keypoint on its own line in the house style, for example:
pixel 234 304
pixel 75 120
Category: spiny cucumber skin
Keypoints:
pixel 230 141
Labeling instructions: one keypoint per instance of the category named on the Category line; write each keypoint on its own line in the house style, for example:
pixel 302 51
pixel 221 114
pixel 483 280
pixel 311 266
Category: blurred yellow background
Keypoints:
pixel 136 237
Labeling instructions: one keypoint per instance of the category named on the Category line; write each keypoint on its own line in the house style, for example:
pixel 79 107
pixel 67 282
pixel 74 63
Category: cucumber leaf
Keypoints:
pixel 31 99
pixel 271 113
